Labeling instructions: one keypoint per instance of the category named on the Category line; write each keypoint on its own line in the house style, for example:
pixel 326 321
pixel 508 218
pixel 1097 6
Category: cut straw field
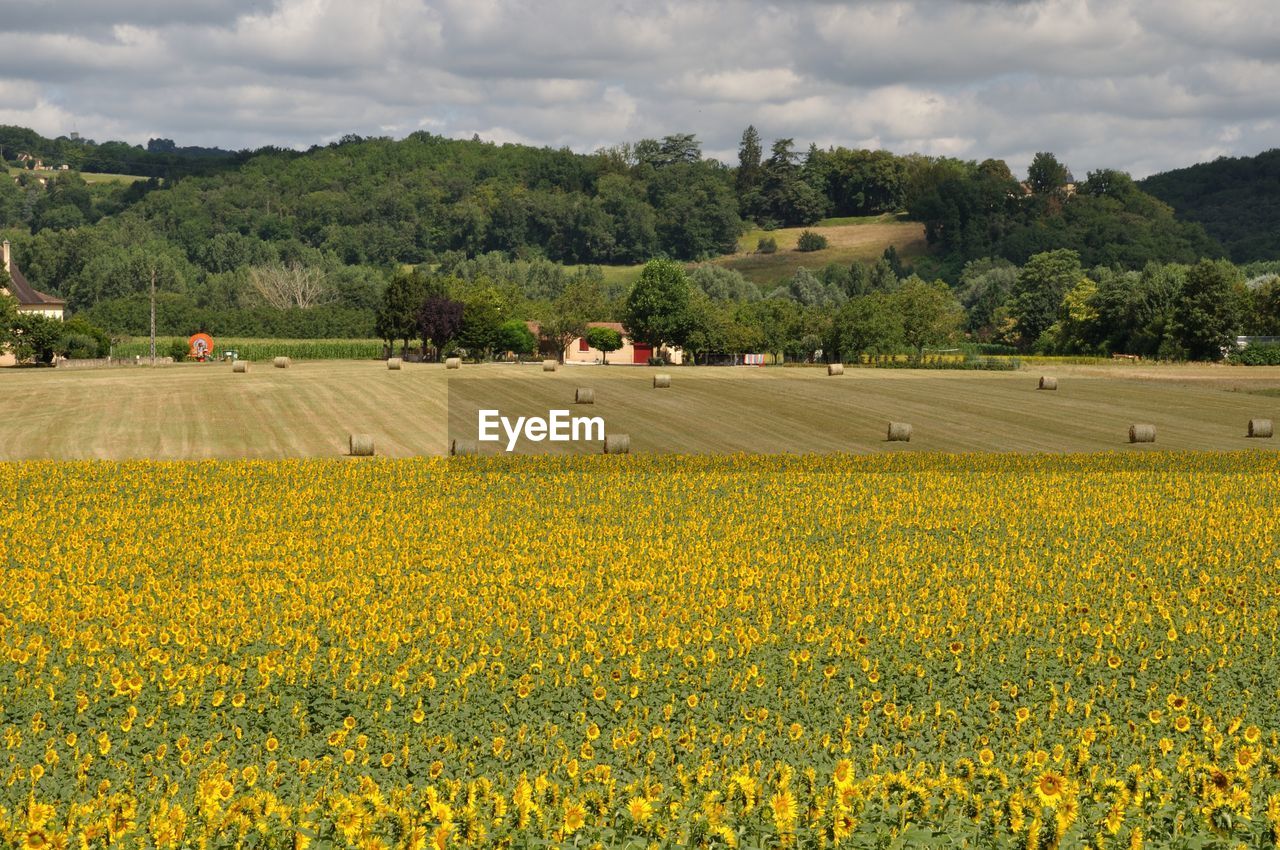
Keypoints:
pixel 193 411
pixel 848 241
pixel 859 239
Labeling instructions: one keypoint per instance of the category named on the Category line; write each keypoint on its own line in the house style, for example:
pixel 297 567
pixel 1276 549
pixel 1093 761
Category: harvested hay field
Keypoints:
pixel 195 411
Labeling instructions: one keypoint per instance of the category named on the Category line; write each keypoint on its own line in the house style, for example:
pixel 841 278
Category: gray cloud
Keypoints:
pixel 36 16
pixel 1130 84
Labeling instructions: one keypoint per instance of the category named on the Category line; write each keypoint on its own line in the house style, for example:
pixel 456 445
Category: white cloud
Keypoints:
pixel 1130 83
pixel 759 85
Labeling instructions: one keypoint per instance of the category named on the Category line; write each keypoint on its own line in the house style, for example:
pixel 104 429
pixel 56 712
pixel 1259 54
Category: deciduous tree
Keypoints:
pixel 515 336
pixel 1046 175
pixel 439 320
pixel 397 317
pixel 604 340
pixel 1039 290
pixel 930 315
pixel 288 285
pixel 869 324
pixel 657 309
pixel 1210 311
pixel 582 301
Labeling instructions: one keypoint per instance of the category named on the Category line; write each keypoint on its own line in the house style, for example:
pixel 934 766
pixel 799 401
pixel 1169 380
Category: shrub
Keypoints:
pixel 811 241
pixel 78 347
pixel 1259 354
pixel 36 337
pixel 178 350
pixel 82 340
pixel 515 336
pixel 767 245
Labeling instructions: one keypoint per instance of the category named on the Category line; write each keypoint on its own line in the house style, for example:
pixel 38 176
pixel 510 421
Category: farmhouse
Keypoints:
pixel 580 351
pixel 30 300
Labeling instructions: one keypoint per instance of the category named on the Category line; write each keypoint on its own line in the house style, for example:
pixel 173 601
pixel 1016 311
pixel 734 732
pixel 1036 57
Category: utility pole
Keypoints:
pixel 153 316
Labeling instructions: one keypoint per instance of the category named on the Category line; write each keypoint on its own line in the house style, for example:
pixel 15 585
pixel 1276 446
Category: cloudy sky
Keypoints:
pixel 1142 85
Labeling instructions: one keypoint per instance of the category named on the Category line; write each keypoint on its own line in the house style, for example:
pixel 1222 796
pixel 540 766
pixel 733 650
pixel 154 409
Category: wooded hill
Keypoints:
pixel 1235 199
pixel 358 210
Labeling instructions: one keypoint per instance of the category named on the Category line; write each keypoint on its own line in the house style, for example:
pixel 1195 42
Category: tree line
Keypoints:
pixel 160 158
pixel 1050 305
pixel 346 222
pixel 491 305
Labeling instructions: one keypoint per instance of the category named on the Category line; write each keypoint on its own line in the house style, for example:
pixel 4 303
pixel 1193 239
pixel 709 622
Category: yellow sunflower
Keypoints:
pixel 575 815
pixel 639 809
pixel 1050 788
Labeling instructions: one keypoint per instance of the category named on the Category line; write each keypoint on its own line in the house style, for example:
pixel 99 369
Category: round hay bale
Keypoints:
pixel 1047 383
pixel 360 445
pixel 395 363
pixel 660 381
pixel 550 365
pixel 835 368
pixel 282 362
pixel 1139 433
pixel 1260 428
pixel 453 363
pixel 899 432
pixel 463 447
pixel 617 444
pixel 584 395
pixel 240 366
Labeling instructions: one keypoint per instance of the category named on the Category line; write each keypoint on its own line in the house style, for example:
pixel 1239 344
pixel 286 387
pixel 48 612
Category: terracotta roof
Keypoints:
pixel 27 295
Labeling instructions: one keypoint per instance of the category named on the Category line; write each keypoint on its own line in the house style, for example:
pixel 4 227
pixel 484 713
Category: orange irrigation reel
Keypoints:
pixel 201 346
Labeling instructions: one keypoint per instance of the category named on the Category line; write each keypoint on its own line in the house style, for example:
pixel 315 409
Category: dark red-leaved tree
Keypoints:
pixel 439 320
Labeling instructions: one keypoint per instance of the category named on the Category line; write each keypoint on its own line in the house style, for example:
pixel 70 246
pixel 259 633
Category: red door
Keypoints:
pixel 642 353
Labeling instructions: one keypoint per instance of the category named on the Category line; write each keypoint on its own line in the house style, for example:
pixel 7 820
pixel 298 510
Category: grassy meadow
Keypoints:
pixel 89 176
pixel 95 177
pixel 850 240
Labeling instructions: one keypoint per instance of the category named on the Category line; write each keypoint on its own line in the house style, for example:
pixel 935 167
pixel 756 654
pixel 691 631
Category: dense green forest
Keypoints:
pixel 973 211
pixel 1236 199
pixel 349 239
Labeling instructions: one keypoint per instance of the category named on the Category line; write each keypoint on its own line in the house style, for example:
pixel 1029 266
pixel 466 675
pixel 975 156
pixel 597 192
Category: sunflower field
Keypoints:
pixel 642 651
